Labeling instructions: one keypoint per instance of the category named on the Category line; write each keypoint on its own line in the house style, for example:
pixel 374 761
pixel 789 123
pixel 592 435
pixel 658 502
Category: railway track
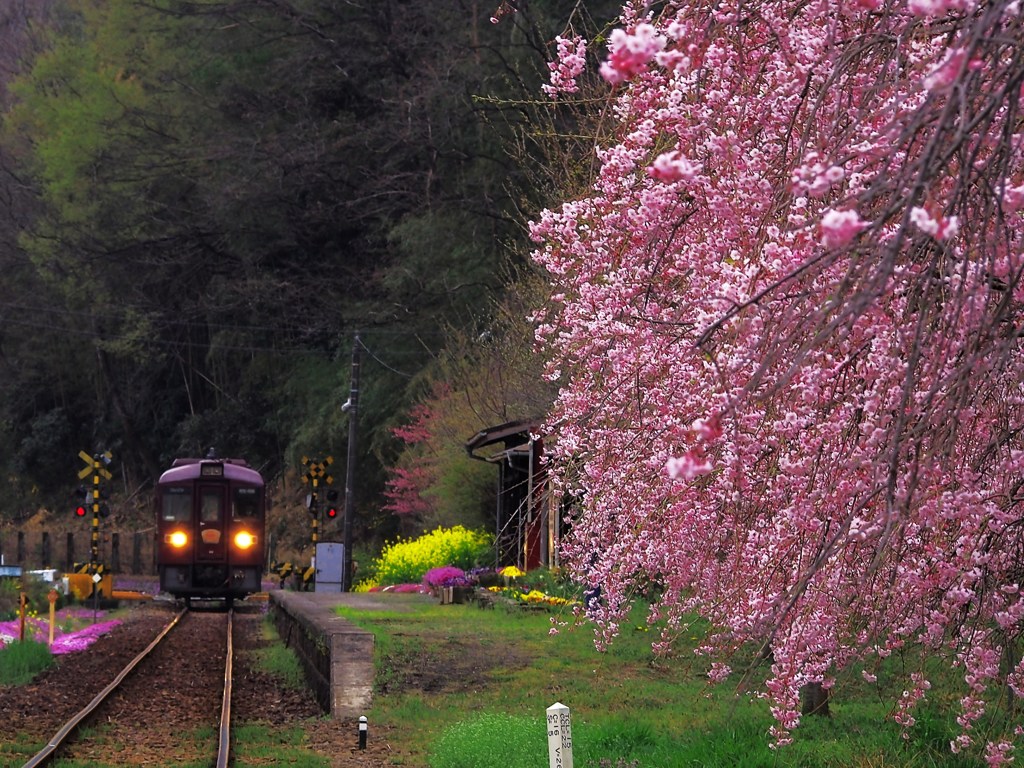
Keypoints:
pixel 175 679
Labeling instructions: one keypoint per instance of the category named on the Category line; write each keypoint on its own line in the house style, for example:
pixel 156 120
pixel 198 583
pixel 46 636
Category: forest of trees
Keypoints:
pixel 759 265
pixel 202 202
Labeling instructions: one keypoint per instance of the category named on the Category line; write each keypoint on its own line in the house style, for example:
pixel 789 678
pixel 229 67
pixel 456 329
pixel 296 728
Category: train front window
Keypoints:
pixel 246 503
pixel 209 510
pixel 177 505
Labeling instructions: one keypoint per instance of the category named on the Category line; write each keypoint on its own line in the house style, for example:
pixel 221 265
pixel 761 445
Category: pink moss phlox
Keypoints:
pixel 83 638
pixel 69 642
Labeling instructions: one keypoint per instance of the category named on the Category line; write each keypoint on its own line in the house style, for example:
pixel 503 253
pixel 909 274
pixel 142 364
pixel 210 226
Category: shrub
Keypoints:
pixel 553 582
pixel 9 599
pixel 22 660
pixel 407 561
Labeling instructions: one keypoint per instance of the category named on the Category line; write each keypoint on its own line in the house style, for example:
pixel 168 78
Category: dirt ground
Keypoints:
pixel 38 710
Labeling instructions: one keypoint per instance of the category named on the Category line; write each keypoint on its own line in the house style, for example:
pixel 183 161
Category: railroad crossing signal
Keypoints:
pixel 316 472
pixel 95 465
pixel 82 507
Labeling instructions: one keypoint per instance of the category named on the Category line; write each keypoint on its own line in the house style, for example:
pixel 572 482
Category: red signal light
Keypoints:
pixel 80 511
pixel 332 511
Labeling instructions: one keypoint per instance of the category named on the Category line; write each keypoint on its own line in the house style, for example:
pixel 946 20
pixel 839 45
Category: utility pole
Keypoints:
pixel 351 407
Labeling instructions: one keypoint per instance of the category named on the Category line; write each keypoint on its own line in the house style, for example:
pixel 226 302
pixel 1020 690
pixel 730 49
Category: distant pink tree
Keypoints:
pixel 786 326
pixel 413 475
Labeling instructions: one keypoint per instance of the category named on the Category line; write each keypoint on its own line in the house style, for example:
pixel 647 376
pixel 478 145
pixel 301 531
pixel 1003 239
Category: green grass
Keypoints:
pixel 629 710
pixel 277 660
pixel 260 745
pixel 22 660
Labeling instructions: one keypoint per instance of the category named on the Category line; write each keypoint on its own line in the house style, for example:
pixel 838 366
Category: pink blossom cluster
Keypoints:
pixel 631 52
pixel 672 166
pixel 785 326
pixel 416 468
pixel 938 226
pixel 938 7
pixel 840 227
pixel 567 67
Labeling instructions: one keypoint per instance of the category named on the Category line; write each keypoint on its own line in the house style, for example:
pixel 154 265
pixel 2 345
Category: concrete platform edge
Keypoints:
pixel 336 656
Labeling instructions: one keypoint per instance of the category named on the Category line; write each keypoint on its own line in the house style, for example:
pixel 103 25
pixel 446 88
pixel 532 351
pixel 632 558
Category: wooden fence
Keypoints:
pixel 132 552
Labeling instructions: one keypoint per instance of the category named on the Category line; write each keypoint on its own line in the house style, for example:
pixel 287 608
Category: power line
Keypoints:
pixel 152 340
pixel 381 362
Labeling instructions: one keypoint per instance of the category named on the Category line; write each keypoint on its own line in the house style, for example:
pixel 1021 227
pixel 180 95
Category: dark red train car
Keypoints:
pixel 210 529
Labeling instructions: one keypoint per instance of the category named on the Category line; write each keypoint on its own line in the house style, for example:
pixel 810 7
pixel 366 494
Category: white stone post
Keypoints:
pixel 559 736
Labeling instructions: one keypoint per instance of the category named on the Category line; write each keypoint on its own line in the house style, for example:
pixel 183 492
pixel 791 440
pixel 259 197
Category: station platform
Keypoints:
pixel 336 655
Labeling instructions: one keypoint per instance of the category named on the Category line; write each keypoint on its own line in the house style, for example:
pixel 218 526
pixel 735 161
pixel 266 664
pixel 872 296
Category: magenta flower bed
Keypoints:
pixel 445 576
pixel 63 642
pixel 83 638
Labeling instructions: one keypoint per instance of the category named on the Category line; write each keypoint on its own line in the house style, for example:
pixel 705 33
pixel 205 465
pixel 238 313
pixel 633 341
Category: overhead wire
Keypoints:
pixel 25 321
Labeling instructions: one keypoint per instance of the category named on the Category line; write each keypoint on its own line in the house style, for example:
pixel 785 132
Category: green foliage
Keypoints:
pixel 204 210
pixel 22 660
pixel 36 594
pixel 460 489
pixel 406 561
pixel 550 581
pixel 522 743
pixel 9 599
pixel 488 375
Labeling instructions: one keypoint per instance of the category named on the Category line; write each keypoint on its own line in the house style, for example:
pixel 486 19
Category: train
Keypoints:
pixel 210 526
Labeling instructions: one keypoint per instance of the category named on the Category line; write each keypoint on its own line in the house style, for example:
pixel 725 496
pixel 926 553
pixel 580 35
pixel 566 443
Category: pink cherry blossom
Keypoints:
pixel 840 227
pixel 937 7
pixel 687 467
pixel 945 74
pixel 671 166
pixel 708 429
pixel 630 52
pixel 938 226
pixel 567 67
pixel 815 446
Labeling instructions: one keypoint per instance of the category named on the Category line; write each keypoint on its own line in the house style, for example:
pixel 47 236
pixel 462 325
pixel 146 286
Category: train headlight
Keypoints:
pixel 178 539
pixel 244 540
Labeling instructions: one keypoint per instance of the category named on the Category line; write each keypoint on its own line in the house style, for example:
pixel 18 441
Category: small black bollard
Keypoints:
pixel 362 732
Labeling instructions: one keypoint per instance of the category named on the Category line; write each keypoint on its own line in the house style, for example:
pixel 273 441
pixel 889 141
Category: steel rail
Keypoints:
pixel 51 747
pixel 224 742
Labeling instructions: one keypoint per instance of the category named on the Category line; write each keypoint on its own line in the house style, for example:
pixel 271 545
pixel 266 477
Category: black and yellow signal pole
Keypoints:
pixel 95 465
pixel 315 474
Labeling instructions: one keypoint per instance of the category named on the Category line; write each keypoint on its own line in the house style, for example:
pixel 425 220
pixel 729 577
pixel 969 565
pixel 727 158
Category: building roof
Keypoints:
pixel 515 435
